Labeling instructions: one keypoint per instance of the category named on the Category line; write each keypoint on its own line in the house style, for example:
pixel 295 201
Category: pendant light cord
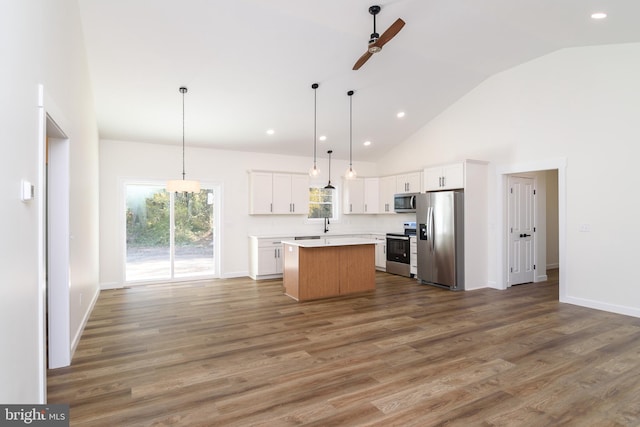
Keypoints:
pixel 315 122
pixel 350 131
pixel 183 90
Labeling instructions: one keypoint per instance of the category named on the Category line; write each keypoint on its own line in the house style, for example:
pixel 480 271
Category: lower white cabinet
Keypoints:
pixel 265 257
pixel 413 256
pixel 381 252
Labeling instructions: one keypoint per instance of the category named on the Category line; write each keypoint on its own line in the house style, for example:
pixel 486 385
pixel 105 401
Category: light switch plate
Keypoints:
pixel 27 191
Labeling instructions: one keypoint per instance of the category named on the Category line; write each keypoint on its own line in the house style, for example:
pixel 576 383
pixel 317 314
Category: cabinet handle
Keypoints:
pixel 270 207
pixel 444 181
pixel 365 207
pixel 350 207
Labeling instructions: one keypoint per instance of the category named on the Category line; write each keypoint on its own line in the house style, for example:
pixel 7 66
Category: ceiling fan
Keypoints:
pixel 377 41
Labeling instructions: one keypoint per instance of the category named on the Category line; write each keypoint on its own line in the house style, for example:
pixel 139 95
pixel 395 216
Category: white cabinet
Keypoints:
pixel 278 193
pixel 447 177
pixel 265 257
pixel 409 183
pixel 387 191
pixel 371 195
pixel 413 256
pixel 381 252
pixel 353 200
pixel 260 194
pixel 361 196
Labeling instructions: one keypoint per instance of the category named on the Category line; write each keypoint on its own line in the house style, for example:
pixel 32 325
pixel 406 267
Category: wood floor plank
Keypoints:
pixel 237 352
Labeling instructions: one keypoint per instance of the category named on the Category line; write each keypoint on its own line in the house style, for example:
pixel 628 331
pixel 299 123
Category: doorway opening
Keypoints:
pixel 56 247
pixel 549 245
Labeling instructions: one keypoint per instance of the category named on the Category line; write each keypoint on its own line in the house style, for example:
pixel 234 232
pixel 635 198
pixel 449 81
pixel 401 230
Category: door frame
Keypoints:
pixel 218 191
pixel 502 172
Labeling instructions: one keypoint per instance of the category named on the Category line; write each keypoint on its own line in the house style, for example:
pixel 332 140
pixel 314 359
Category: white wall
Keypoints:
pixel 41 43
pixel 579 104
pixel 553 257
pixel 121 161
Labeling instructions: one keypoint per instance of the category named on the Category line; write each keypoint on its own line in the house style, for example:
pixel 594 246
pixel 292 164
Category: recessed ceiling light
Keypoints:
pixel 270 132
pixel 400 114
pixel 322 138
pixel 367 143
pixel 598 15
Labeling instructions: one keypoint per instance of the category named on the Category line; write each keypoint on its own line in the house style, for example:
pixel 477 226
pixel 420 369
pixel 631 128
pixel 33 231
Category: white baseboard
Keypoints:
pixel 234 274
pixel 85 319
pixel 612 308
pixel 111 285
pixel 553 266
pixel 541 278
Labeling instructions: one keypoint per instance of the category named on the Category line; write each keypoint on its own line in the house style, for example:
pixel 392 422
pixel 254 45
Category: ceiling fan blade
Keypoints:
pixel 360 62
pixel 390 33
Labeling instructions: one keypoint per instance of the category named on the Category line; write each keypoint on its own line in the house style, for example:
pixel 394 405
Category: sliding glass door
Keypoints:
pixel 169 235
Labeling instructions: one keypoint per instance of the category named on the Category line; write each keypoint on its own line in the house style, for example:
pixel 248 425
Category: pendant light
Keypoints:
pixel 350 173
pixel 314 171
pixel 183 185
pixel 329 186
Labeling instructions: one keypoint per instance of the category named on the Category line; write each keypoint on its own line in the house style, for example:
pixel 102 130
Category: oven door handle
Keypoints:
pixel 398 237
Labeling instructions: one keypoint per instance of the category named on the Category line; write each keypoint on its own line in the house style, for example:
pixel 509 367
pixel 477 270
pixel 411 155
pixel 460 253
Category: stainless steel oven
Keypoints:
pixel 399 250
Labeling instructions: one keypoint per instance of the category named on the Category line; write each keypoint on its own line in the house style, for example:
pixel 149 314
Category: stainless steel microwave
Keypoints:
pixel 404 202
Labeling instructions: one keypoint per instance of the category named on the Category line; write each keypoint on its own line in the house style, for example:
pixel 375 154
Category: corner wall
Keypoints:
pixel 43 45
pixel 579 104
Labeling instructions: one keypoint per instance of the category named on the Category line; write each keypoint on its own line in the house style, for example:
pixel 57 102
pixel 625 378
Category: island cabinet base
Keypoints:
pixel 321 272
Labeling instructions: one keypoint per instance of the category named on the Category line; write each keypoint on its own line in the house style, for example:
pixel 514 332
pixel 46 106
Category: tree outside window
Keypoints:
pixel 321 202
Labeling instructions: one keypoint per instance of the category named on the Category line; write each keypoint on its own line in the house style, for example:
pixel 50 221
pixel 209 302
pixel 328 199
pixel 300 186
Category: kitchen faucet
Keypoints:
pixel 326 224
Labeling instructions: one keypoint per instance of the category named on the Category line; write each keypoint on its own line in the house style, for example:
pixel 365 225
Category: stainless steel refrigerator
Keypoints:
pixel 440 219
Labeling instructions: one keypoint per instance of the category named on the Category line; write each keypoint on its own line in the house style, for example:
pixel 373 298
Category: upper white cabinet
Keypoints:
pixel 387 191
pixel 353 196
pixel 260 193
pixel 278 193
pixel 371 195
pixel 361 195
pixel 409 183
pixel 446 177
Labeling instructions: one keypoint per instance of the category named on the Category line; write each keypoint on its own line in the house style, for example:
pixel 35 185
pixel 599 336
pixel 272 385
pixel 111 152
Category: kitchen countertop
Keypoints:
pixel 326 242
pixel 329 235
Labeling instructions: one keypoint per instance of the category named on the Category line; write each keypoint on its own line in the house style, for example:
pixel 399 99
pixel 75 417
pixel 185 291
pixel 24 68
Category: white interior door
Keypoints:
pixel 521 230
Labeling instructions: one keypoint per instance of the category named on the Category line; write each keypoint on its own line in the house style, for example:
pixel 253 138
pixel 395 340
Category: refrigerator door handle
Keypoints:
pixel 431 225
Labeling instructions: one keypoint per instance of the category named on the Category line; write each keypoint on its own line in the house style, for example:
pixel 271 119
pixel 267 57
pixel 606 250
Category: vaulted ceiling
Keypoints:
pixel 249 65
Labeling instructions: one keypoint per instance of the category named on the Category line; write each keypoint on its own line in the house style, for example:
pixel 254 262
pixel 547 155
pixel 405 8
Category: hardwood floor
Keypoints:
pixel 238 353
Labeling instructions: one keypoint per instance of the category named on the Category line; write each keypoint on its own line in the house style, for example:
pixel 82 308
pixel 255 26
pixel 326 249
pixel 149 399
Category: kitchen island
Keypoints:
pixel 321 268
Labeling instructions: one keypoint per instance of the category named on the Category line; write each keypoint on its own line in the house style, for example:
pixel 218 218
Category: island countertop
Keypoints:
pixel 331 241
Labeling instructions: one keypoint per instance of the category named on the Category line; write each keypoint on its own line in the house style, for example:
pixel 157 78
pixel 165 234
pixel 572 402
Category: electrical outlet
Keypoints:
pixel 584 228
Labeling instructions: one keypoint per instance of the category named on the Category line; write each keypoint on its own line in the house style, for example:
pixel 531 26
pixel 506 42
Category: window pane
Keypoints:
pixel 148 255
pixel 194 234
pixel 320 203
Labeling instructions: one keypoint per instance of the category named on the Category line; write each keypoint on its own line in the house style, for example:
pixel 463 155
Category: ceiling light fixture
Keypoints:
pixel 598 15
pixel 400 114
pixel 329 186
pixel 366 143
pixel 183 185
pixel 270 132
pixel 350 174
pixel 314 171
pixel 322 138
